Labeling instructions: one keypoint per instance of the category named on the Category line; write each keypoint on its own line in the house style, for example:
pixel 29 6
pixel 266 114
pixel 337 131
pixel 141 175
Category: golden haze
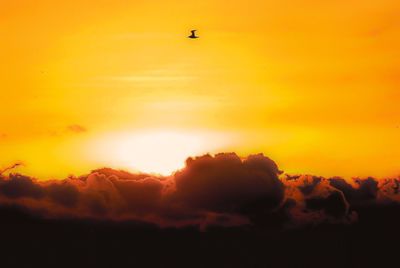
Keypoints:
pixel 313 85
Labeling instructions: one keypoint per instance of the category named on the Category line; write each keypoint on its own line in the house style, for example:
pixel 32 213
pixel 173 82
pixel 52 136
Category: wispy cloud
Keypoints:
pixel 153 78
pixel 13 166
pixel 76 128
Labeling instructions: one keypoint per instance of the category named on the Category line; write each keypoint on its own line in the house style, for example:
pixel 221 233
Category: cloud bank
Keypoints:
pixel 220 190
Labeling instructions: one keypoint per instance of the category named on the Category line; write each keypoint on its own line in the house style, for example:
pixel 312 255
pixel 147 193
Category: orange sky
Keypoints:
pixel 314 85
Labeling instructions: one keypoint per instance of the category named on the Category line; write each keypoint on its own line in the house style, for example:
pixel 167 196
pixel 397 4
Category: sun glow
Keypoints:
pixel 314 86
pixel 155 151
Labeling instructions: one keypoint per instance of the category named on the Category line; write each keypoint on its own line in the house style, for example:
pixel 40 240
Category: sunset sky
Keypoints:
pixel 314 85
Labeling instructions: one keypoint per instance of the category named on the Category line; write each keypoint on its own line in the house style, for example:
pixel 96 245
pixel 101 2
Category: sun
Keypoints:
pixel 154 151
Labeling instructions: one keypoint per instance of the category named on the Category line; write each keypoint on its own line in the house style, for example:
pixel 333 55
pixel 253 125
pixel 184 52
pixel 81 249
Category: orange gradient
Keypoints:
pixel 313 85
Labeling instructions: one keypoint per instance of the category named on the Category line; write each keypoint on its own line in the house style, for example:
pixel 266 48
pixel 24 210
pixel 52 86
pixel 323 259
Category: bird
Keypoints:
pixel 193 35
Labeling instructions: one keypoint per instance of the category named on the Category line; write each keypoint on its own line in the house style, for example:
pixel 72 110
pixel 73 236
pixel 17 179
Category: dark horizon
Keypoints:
pixel 222 190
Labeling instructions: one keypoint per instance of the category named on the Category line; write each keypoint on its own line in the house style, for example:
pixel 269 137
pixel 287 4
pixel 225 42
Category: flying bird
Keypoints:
pixel 193 35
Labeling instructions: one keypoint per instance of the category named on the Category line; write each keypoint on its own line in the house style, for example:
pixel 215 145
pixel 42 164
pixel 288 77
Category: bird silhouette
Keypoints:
pixel 193 35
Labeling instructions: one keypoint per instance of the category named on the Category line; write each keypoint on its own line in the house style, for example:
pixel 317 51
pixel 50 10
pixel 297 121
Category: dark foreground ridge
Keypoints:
pixel 30 242
pixel 219 211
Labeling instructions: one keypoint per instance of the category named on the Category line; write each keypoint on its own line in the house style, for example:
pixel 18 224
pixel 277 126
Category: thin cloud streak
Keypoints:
pixel 153 78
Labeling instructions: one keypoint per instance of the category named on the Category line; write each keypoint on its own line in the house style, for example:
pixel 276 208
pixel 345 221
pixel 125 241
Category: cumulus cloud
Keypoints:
pixel 361 190
pixel 225 183
pixel 222 190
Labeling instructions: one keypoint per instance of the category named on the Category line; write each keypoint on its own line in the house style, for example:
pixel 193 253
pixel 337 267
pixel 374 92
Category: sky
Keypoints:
pixel 312 84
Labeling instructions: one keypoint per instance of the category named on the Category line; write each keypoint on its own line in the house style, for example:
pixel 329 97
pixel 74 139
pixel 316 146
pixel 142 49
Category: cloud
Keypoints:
pixel 21 186
pixel 361 190
pixel 11 167
pixel 63 193
pixel 76 128
pixel 334 204
pixel 225 183
pixel 219 190
pixel 154 78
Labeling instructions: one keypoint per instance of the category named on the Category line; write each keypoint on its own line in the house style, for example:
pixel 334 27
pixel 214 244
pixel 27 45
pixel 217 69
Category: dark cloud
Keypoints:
pixel 362 191
pixel 225 183
pixel 389 189
pixel 18 186
pixel 334 204
pixel 305 183
pixel 220 190
pixel 63 193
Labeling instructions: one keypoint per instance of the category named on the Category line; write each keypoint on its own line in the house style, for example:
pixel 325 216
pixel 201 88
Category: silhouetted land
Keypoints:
pixel 27 241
